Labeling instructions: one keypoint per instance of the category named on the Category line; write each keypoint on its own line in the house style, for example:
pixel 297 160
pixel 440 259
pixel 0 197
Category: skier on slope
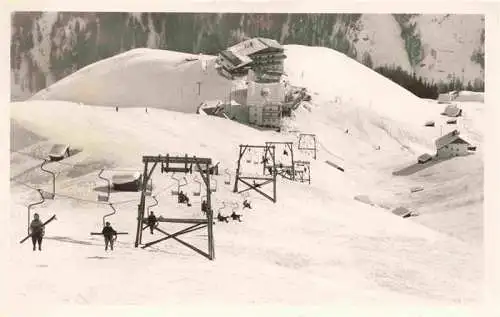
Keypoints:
pixel 110 236
pixel 37 232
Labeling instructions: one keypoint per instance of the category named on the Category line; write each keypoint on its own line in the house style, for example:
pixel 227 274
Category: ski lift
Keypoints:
pixel 197 192
pixel 107 215
pixel 149 187
pixel 155 204
pixel 104 221
pixel 176 192
pixel 34 204
pixel 213 185
pixel 45 194
pixel 228 180
pixel 182 185
pixel 256 160
pixel 222 208
pixel 101 197
pixel 249 158
pixel 203 201
pixel 235 206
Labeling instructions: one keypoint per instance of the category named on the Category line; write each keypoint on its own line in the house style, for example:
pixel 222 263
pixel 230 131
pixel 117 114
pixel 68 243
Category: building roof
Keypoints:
pixel 450 138
pixel 254 45
pixel 58 150
pixel 271 43
pixel 236 59
pixel 452 110
pixel 238 53
pixel 126 178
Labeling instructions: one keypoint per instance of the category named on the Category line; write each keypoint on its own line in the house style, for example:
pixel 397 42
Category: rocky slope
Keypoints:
pixel 46 47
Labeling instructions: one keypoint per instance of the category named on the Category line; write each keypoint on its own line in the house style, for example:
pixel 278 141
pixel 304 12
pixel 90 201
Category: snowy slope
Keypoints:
pixel 316 245
pixel 143 78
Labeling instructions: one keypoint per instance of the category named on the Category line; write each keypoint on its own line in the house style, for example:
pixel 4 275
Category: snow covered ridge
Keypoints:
pixel 143 78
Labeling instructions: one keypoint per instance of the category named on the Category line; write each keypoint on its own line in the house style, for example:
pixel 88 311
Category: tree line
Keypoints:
pixel 423 88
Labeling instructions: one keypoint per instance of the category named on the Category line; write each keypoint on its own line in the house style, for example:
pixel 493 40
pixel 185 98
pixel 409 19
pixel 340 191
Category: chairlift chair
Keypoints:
pixel 34 204
pixel 104 221
pixel 197 192
pixel 175 192
pixel 256 160
pixel 47 195
pixel 149 188
pixel 213 185
pixel 101 197
pixel 153 205
pixel 228 180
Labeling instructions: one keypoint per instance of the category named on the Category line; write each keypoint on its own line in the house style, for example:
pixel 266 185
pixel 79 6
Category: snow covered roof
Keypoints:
pixel 238 54
pixel 452 110
pixel 254 45
pixel 236 59
pixel 126 178
pixel 450 138
pixel 59 149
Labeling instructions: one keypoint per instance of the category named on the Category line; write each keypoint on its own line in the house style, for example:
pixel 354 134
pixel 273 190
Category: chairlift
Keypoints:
pixel 34 204
pixel 153 205
pixel 235 206
pixel 222 208
pixel 104 221
pixel 149 187
pixel 213 185
pixel 228 180
pixel 48 195
pixel 110 214
pixel 256 160
pixel 197 192
pixel 101 197
pixel 175 192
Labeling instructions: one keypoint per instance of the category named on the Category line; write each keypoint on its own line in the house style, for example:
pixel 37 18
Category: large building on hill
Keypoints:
pixel 264 56
pixel 265 103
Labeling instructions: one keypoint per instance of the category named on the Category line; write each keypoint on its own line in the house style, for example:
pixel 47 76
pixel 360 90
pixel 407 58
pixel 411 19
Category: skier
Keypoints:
pixel 246 204
pixel 110 236
pixel 235 216
pixel 204 206
pixel 152 221
pixel 182 198
pixel 222 218
pixel 37 232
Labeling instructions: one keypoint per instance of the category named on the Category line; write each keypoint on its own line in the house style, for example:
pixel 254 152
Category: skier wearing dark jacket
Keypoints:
pixel 37 232
pixel 152 221
pixel 109 236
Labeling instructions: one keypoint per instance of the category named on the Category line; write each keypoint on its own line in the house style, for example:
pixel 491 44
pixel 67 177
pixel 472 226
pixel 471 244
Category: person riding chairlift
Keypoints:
pixel 37 232
pixel 152 221
pixel 182 198
pixel 110 236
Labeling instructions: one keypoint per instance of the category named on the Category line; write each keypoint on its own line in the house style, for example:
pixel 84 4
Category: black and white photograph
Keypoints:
pixel 241 158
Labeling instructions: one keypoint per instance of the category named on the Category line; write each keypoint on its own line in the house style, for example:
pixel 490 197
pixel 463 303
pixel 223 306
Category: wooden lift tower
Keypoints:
pixel 177 164
pixel 258 180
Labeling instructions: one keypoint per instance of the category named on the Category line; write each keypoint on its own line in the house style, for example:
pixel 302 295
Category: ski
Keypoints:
pixel 44 224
